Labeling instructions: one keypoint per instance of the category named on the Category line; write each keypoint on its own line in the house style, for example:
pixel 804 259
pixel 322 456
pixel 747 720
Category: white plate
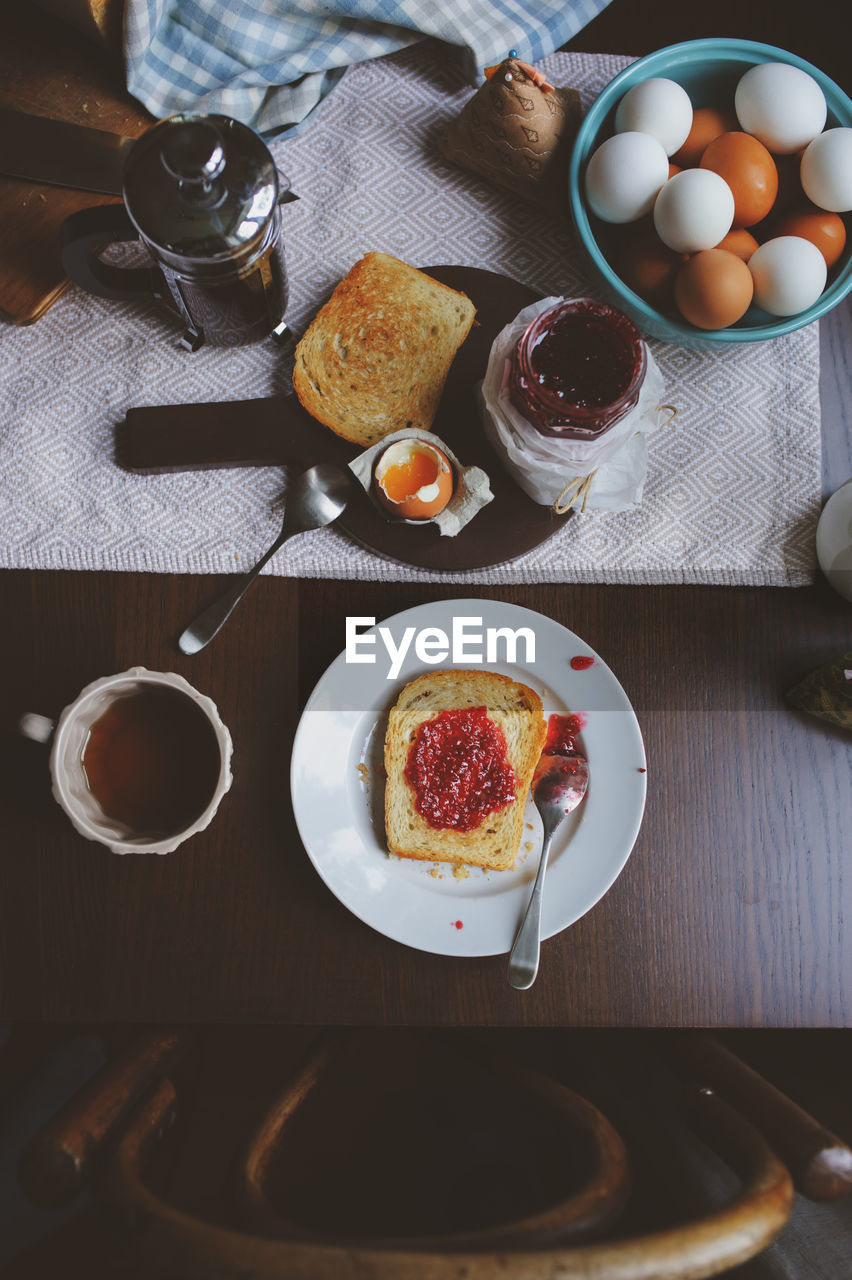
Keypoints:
pixel 338 791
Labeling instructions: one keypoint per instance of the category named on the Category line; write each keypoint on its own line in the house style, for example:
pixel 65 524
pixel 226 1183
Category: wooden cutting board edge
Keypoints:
pixel 48 68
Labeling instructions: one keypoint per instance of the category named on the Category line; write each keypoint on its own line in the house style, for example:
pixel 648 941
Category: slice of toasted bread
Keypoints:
pixel 517 710
pixel 377 356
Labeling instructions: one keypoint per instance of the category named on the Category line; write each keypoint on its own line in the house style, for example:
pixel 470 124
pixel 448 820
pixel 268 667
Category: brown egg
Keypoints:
pixel 707 124
pixel 826 230
pixel 790 196
pixel 713 289
pixel 740 242
pixel 645 264
pixel 749 171
pixel 673 169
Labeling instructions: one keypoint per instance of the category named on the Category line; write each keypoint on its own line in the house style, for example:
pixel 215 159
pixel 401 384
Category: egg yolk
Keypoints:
pixel 413 480
pixel 404 479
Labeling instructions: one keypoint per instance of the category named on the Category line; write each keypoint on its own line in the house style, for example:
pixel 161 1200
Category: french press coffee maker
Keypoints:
pixel 202 194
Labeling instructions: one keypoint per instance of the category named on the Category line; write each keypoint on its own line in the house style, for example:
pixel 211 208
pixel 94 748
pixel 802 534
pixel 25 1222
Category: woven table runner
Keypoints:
pixel 732 492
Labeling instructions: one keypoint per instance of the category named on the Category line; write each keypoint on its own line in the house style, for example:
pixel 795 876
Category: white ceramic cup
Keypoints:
pixel 68 737
pixel 834 540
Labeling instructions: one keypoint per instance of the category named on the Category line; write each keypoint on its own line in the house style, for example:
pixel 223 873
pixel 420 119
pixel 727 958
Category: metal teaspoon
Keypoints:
pixel 315 498
pixel 558 787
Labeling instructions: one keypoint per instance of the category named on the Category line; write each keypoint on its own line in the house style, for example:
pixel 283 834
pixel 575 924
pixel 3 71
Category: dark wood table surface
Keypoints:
pixel 735 907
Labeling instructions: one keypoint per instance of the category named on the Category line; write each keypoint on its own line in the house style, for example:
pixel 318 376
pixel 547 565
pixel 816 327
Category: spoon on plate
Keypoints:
pixel 559 785
pixel 315 498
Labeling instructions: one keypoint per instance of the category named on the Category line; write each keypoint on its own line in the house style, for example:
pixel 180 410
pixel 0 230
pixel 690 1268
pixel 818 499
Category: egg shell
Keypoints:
pixel 749 171
pixel 781 105
pixel 713 289
pixel 427 499
pixel 824 229
pixel 789 275
pixel 707 124
pixel 624 176
pixel 826 170
pixel 694 210
pixel 657 106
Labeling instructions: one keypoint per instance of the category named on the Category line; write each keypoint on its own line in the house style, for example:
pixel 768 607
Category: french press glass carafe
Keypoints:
pixel 202 193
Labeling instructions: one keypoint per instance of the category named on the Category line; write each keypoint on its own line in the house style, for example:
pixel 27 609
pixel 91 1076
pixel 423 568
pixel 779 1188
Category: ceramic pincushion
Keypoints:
pixel 512 129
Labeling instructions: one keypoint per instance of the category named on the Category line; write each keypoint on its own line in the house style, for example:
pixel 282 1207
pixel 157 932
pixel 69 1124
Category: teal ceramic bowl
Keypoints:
pixel 709 71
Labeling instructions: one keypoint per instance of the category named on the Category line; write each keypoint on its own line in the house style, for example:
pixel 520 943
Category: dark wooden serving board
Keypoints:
pixel 278 430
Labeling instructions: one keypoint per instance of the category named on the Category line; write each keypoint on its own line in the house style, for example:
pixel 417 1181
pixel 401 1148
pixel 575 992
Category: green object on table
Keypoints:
pixel 827 692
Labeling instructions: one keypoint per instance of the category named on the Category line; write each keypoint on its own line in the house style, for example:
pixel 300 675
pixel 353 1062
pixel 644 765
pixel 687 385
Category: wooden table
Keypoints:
pixel 730 911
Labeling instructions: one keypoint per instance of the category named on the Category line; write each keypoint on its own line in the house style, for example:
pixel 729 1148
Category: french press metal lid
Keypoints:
pixel 201 188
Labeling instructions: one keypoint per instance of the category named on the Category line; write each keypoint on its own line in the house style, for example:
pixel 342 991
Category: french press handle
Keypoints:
pixel 84 235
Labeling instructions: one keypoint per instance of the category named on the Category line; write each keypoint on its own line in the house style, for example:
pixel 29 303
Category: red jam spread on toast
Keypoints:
pixel 562 735
pixel 458 768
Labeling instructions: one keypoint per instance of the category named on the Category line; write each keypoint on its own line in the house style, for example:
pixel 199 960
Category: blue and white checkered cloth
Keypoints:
pixel 270 62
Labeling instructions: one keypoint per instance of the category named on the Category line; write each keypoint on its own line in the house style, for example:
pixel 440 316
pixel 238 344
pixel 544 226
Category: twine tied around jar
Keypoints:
pixel 581 486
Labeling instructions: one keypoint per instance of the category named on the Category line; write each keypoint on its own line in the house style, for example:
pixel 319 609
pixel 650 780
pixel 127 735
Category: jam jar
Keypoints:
pixel 577 369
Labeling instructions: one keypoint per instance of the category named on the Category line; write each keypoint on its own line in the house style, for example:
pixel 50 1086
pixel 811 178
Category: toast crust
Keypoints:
pixel 377 355
pixel 517 709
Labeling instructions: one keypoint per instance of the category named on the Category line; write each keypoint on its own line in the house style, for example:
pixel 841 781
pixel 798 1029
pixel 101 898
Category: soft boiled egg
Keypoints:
pixel 413 479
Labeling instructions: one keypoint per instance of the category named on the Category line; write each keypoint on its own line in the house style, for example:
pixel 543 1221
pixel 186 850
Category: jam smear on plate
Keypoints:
pixel 458 768
pixel 562 735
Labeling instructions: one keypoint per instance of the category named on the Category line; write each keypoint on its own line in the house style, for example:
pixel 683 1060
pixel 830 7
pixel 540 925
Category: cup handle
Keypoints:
pixel 39 728
pixel 83 234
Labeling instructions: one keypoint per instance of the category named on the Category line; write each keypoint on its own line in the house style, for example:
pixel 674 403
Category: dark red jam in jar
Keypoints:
pixel 577 369
pixel 458 768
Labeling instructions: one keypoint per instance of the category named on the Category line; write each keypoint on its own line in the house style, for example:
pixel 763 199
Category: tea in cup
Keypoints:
pixel 139 761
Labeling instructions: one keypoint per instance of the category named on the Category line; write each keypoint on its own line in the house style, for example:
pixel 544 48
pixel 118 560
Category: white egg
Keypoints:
pixel 657 106
pixel 624 176
pixel 781 105
pixel 789 275
pixel 694 210
pixel 826 170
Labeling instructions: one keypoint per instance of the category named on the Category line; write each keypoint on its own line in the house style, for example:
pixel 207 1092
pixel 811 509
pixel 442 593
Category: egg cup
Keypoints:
pixel 471 488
